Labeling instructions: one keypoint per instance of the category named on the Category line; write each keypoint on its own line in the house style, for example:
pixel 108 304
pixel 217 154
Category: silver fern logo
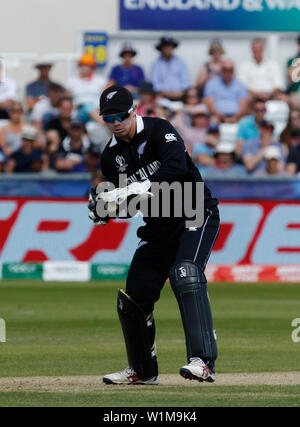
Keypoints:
pixel 111 95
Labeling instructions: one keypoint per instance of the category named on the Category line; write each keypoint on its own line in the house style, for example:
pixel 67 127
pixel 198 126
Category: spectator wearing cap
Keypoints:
pixel 226 96
pixel 169 73
pixel 254 149
pixel 85 88
pixel 92 160
pixel 293 74
pixel 27 158
pixel 8 95
pixel 225 165
pixel 38 88
pixel 47 107
pixel 204 152
pixel 72 151
pixel 248 127
pixel 293 160
pixel 10 134
pixel 147 100
pixel 127 74
pixel 272 157
pixel 211 68
pixel 197 131
pixel 262 77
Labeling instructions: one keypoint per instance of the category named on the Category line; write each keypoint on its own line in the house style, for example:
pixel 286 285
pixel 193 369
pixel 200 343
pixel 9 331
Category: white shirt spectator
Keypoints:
pixel 86 90
pixel 8 90
pixel 261 77
pixel 42 107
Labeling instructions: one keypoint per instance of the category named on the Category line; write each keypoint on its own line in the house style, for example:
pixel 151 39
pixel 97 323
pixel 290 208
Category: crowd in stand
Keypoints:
pixel 58 127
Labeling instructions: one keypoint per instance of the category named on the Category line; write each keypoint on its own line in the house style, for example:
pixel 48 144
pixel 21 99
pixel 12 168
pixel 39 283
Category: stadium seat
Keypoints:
pixel 228 132
pixel 278 114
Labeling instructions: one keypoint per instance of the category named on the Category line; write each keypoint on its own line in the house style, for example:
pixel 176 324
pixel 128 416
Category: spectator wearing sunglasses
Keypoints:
pixel 225 95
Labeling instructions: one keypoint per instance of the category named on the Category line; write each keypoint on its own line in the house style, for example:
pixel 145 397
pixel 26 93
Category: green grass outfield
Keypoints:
pixel 63 329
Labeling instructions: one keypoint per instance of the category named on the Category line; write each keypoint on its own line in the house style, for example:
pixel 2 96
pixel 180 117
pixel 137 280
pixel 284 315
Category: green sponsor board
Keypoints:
pixel 109 271
pixel 22 271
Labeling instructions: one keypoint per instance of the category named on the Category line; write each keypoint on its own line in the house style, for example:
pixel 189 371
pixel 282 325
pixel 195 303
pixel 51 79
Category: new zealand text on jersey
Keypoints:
pixel 142 173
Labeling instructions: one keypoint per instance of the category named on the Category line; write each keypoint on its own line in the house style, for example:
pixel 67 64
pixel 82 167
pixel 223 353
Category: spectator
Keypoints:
pixel 225 165
pixel 27 158
pixel 10 134
pixel 261 76
pixel 71 154
pixel 286 136
pixel 40 87
pixel 272 156
pixel 169 73
pixel 58 128
pixel 127 74
pixel 248 126
pixel 203 153
pixel 8 95
pixel 190 100
pixel 146 106
pixel 211 68
pixel 225 95
pixel 254 148
pixel 85 89
pixel 197 131
pixel 92 159
pixel 47 108
pixel 2 162
pixel 293 160
pixel 293 64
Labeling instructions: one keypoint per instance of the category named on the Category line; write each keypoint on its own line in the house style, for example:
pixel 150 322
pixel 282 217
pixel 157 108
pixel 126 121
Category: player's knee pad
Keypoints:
pixel 190 287
pixel 138 335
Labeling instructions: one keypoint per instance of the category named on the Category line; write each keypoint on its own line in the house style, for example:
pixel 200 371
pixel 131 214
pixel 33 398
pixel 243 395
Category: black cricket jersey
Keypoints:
pixel 157 152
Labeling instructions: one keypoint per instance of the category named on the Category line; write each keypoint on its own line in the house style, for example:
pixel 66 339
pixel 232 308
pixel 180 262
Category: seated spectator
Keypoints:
pixel 294 86
pixel 272 156
pixel 27 158
pixel 203 153
pixel 72 150
pixel 92 159
pixel 10 134
pixel 146 106
pixel 199 126
pixel 225 96
pixel 211 68
pixel 254 148
pixel 58 128
pixel 225 165
pixel 248 126
pixel 127 74
pixel 293 160
pixel 169 74
pixel 262 77
pixel 47 108
pixel 38 88
pixel 293 124
pixel 8 95
pixel 85 88
pixel 190 100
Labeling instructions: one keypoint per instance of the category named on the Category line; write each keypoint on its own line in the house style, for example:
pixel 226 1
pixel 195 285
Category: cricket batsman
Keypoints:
pixel 148 151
